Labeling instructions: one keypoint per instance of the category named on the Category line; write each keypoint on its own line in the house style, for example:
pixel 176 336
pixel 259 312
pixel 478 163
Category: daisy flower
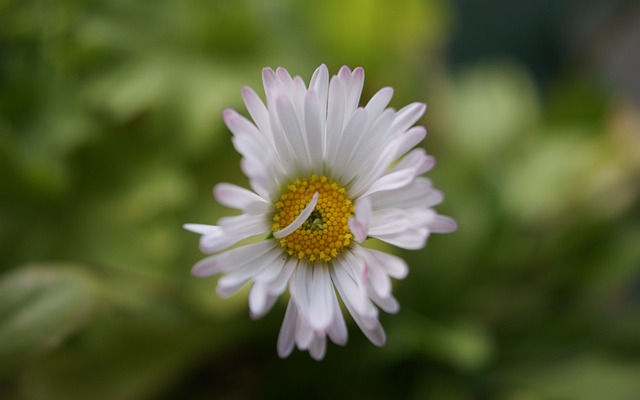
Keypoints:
pixel 326 175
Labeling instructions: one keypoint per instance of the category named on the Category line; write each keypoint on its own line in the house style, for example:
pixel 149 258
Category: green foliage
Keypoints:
pixel 111 138
pixel 40 306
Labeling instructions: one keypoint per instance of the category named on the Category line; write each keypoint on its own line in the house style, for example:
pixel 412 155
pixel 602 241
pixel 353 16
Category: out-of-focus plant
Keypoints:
pixel 110 138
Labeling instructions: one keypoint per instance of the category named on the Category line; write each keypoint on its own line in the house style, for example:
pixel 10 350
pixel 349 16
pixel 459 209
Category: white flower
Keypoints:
pixel 326 175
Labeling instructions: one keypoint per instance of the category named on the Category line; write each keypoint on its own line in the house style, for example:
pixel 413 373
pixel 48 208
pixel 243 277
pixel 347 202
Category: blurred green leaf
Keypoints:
pixel 464 345
pixel 495 105
pixel 562 165
pixel 40 306
pixel 378 30
pixel 592 377
pixel 127 357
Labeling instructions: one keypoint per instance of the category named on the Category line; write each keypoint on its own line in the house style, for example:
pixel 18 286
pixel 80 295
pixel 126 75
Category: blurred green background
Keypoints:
pixel 111 138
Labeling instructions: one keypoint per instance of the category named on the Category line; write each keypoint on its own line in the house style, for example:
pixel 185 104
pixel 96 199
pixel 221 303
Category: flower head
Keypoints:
pixel 325 175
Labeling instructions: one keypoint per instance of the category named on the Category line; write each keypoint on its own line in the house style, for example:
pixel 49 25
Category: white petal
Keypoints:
pixel 284 158
pixel 269 302
pixel 245 225
pixel 399 144
pixel 309 287
pixel 320 85
pixel 278 285
pixel 238 124
pixel 270 83
pixel 375 275
pixel 300 219
pixel 358 230
pixel 234 280
pixel 271 272
pixel 391 181
pixel 393 220
pixel 275 87
pixel 318 347
pixel 217 240
pixel 284 79
pixel 375 334
pixel 394 266
pixel 304 333
pixel 348 288
pixel 337 331
pixel 349 142
pixel 240 198
pixel 252 145
pixel 379 100
pixel 232 230
pixel 371 172
pixel 257 150
pixel 314 120
pixel 443 224
pixel 413 239
pixel 320 79
pixel 359 223
pixel 378 283
pixel 257 178
pixel 201 228
pixel 418 194
pixel 369 325
pixel 231 259
pixel 320 305
pixel 335 117
pixel 408 116
pixel 257 110
pixel 388 304
pixel 410 139
pixel 299 289
pixel 367 154
pixel 257 299
pixel 417 160
pixel 431 198
pixel 353 87
pixel 287 331
pixel 347 274
pixel 293 132
pixel 371 328
pixel 297 95
pixel 228 289
pixel 261 180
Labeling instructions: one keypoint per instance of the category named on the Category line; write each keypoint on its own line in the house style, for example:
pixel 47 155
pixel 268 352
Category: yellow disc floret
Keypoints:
pixel 326 232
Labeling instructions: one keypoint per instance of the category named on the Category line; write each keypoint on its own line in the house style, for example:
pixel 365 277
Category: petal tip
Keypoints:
pixel 197 272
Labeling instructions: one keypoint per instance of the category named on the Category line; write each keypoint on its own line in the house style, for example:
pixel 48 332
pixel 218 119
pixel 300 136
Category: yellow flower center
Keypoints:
pixel 326 232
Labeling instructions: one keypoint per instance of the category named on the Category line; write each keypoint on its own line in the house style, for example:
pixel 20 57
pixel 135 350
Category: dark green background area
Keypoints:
pixel 111 138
